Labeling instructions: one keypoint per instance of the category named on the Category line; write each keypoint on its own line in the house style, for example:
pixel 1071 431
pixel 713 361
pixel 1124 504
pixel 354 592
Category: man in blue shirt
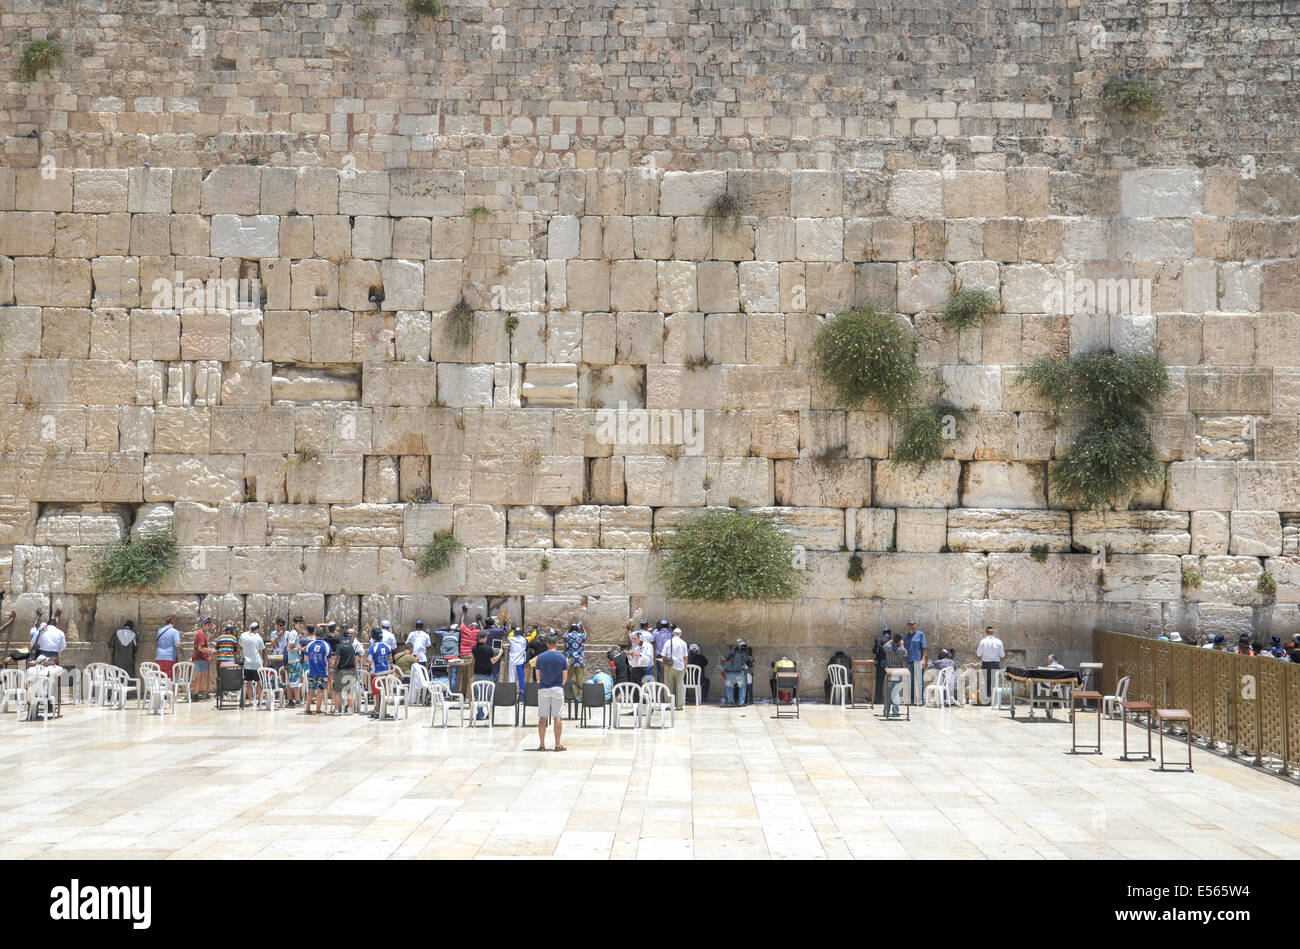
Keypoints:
pixel 552 671
pixel 914 641
pixel 318 669
pixel 168 648
pixel 380 655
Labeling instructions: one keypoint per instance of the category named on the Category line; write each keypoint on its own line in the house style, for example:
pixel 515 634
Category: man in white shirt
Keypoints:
pixel 252 646
pixel 419 641
pixel 642 656
pixel 674 656
pixel 990 652
pixel 387 634
pixel 49 640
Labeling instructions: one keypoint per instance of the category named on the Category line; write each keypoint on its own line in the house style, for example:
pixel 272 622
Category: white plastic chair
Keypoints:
pixel 1110 704
pixel 481 694
pixel 391 696
pixel 445 700
pixel 38 695
pixel 13 687
pixel 149 667
pixel 626 695
pixel 418 690
pixel 1001 696
pixel 183 677
pixel 655 697
pixel 92 682
pixel 361 687
pixel 271 688
pixel 118 686
pixel 159 690
pixel 692 680
pixel 941 689
pixel 841 687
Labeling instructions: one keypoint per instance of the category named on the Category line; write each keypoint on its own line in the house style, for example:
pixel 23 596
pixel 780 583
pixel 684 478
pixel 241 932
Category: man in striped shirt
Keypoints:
pixel 225 646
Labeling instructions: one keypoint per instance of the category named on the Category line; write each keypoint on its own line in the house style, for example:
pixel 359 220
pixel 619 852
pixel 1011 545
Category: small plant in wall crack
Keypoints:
pixel 435 556
pixel 725 211
pixel 430 9
pixel 1131 97
pixel 1192 578
pixel 40 56
pixel 855 568
pixel 1266 584
pixel 460 324
pixel 925 430
pixel 1038 553
pixel 969 308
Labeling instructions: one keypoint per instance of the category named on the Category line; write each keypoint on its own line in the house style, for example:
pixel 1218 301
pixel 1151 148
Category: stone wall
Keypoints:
pixel 363 178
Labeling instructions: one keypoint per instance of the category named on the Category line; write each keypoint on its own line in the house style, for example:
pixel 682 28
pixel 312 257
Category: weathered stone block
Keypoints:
pixel 1256 534
pixel 999 484
pixel 1008 530
pixel 1134 532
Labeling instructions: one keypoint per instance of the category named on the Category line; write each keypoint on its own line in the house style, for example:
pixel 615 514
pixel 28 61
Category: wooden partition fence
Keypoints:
pixel 1248 703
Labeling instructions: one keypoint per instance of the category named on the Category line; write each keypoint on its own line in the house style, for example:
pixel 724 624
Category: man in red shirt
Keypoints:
pixel 202 659
pixel 468 634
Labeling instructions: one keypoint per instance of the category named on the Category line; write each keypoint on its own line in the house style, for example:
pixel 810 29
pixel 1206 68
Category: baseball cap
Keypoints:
pixel 205 619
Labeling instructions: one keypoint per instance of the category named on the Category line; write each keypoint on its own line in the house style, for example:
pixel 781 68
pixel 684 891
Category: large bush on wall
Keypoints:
pixel 730 555
pixel 134 563
pixel 1113 454
pixel 867 357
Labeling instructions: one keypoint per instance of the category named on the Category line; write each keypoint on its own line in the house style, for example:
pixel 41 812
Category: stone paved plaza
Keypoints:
pixel 958 783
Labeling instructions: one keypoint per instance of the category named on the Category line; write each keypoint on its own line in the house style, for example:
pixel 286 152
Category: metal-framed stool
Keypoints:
pixel 1077 696
pixel 787 681
pixel 1174 715
pixel 1137 708
pixel 905 675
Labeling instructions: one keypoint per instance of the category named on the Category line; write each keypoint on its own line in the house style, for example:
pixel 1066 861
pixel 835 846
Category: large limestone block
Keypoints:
pixel 1004 484
pixel 977 388
pixel 586 572
pixel 690 193
pixel 210 478
pixel 1061 577
pixel 1134 532
pixel 819 239
pixel 79 477
pixel 1162 192
pixel 659 481
pixel 461 386
pixel 341 569
pixel 1201 485
pixel 330 479
pixel 921 530
pixel 1225 579
pixel 426 192
pixel 149 190
pixel 1266 486
pixel 241 525
pixel 508 572
pixel 744 482
pixel 1256 534
pixel 52 281
pixel 916 194
pixel 1286 571
pixel 1143 577
pixel 923 285
pixel 974 194
pixel 873 528
pixel 18 521
pixel 37 569
pixel 550 385
pixel 623 528
pixel 422 521
pixel 99 190
pixel 252 237
pixel 811 528
pixel 1223 390
pixel 196 524
pixel 530 526
pixel 367 525
pixel 231 189
pixel 1153 238
pixel 1008 530
pixel 916 577
pixel 1209 532
pixel 297 525
pixel 578 526
pixel 837 481
pixel 402 383
pixel 902 486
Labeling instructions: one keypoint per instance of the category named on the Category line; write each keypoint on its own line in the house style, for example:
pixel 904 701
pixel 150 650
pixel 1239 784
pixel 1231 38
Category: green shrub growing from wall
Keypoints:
pixel 134 563
pixel 1113 454
pixel 41 56
pixel 969 308
pixel 435 556
pixel 925 430
pixel 730 555
pixel 867 357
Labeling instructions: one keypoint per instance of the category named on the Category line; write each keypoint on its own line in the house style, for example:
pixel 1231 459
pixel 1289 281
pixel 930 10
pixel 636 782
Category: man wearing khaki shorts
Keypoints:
pixel 552 671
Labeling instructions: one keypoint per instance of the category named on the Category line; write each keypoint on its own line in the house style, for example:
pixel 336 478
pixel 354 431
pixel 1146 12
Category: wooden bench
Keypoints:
pixel 1174 715
pixel 1078 696
pixel 1137 708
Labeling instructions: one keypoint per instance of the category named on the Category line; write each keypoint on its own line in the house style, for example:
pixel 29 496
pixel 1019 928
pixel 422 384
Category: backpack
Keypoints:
pixel 450 644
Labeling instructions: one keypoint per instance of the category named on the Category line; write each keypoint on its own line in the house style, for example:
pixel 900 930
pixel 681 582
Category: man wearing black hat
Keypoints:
pixel 878 653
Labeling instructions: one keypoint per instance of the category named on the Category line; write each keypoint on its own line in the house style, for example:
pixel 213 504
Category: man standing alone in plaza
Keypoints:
pixel 894 656
pixel 552 672
pixel 914 643
pixel 575 653
pixel 252 646
pixel 990 652
pixel 674 657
